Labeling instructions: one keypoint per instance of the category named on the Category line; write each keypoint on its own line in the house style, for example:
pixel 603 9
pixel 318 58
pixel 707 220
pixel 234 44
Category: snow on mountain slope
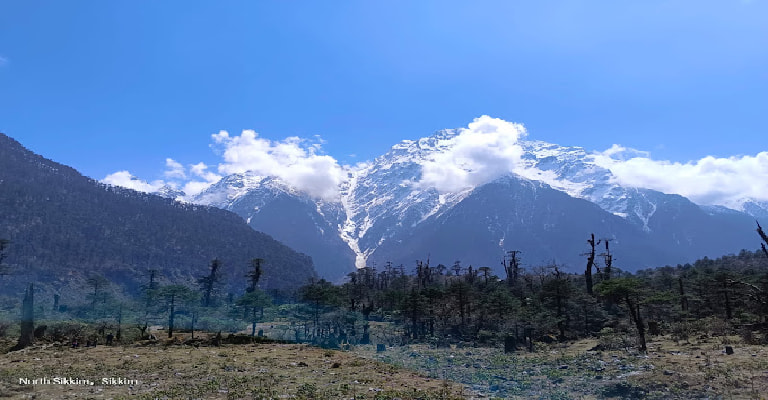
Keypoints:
pixel 170 193
pixel 757 209
pixel 575 172
pixel 382 197
pixel 271 206
pixel 231 188
pixel 386 197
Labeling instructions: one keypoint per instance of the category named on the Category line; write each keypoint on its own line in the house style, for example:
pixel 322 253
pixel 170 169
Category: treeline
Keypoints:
pixel 105 312
pixel 440 304
pixel 450 304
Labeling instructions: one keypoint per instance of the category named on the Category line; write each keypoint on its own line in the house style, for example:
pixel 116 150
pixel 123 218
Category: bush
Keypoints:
pixel 307 391
pixel 717 327
pixel 66 331
pixel 609 339
pixel 623 390
pixel 748 336
pixel 686 329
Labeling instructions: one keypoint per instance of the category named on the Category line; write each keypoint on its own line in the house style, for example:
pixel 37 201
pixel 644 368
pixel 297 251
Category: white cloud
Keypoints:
pixel 489 148
pixel 176 174
pixel 200 170
pixel 486 149
pixel 192 188
pixel 710 180
pixel 174 169
pixel 126 180
pixel 3 61
pixel 294 160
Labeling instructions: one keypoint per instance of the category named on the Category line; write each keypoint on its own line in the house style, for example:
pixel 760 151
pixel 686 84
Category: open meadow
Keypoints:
pixel 176 371
pixel 682 369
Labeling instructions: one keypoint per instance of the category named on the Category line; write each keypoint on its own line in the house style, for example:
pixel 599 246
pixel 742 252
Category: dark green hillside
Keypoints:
pixel 65 227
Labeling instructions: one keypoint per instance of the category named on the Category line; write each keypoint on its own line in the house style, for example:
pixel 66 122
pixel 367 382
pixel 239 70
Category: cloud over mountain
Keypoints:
pixel 127 180
pixel 708 181
pixel 483 151
pixel 294 160
pixel 487 149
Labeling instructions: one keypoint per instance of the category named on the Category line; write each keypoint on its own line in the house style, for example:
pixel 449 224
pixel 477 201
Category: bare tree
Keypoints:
pixel 27 320
pixel 486 271
pixel 762 236
pixel 208 283
pixel 513 268
pixel 608 259
pixel 254 275
pixel 590 263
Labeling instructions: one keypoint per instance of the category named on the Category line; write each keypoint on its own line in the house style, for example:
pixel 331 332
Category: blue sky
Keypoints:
pixel 117 85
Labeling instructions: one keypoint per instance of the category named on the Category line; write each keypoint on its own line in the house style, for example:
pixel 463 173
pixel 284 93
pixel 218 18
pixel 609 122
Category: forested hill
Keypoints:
pixel 65 228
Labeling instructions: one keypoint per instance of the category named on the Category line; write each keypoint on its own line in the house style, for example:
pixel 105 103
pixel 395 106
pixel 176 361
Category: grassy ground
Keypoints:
pixel 227 372
pixel 564 371
pixel 687 370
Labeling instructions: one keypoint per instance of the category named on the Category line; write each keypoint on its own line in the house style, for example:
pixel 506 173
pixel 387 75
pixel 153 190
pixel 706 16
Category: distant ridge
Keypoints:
pixel 65 227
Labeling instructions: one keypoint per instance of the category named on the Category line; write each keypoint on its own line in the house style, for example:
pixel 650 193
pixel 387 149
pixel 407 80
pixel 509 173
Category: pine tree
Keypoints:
pixel 176 296
pixel 253 304
pixel 626 290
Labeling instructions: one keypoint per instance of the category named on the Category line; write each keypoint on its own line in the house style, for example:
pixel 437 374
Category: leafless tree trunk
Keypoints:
pixel 513 269
pixel 590 263
pixel 762 236
pixel 608 258
pixel 634 314
pixel 27 320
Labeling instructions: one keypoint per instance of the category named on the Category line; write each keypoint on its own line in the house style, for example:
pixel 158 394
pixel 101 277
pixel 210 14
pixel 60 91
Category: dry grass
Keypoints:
pixel 670 370
pixel 229 372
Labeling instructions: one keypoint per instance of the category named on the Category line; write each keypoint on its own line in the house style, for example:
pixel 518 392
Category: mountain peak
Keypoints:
pixel 171 192
pixel 233 187
pixel 382 200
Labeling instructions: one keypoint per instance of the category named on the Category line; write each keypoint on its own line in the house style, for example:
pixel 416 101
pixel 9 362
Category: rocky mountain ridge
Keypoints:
pixel 382 202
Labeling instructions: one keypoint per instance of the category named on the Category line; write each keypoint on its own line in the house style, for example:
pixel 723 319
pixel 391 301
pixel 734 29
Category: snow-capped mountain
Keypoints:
pixel 757 209
pixel 269 205
pixel 382 197
pixel 547 206
pixel 169 192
